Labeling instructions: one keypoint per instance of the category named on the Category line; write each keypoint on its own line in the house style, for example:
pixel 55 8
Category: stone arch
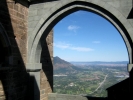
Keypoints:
pixel 60 9
pixel 43 17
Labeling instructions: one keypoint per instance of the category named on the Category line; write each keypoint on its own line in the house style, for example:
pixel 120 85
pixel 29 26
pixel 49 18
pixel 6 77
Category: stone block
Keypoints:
pixel 115 4
pixel 40 12
pixel 42 91
pixel 37 18
pixel 15 7
pixel 42 96
pixel 125 3
pixel 35 7
pixel 32 24
pixel 41 21
pixel 49 5
pixel 51 98
pixel 2 97
pixel 2 93
pixel 33 13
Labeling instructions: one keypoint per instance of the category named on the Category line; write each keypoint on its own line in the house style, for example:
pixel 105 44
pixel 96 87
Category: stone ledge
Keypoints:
pixel 55 96
pixel 33 67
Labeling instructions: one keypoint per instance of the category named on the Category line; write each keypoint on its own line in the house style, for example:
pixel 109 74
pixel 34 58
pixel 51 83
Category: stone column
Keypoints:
pixel 34 80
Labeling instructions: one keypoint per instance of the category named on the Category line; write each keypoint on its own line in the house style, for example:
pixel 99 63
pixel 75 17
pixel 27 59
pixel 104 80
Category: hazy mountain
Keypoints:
pixel 61 65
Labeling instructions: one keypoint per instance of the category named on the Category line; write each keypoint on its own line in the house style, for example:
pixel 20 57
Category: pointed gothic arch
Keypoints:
pixel 44 16
pixel 44 26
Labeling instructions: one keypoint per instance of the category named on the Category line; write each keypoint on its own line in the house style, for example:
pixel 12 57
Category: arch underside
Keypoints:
pixel 65 10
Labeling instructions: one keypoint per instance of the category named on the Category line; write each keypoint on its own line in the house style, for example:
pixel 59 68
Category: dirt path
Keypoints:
pixel 100 84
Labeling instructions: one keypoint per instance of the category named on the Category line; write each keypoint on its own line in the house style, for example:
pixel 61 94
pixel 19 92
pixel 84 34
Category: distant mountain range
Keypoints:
pixel 99 63
pixel 62 66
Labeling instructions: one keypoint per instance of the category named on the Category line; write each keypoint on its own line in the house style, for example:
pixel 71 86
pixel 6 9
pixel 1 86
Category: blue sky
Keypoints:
pixel 86 36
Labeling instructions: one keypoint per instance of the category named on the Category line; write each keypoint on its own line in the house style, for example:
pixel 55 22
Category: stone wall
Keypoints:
pixel 14 20
pixel 13 75
pixel 13 17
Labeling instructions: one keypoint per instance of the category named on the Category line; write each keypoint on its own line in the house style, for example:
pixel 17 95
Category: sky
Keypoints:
pixel 86 36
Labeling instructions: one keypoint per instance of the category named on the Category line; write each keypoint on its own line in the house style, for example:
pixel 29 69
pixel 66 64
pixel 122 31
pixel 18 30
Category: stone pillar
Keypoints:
pixel 34 80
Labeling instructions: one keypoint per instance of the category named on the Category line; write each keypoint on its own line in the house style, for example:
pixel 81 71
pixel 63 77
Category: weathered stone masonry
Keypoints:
pixel 44 15
pixel 14 20
pixel 26 43
pixel 13 75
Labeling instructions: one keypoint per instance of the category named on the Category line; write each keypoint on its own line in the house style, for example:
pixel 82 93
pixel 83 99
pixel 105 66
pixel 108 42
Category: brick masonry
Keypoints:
pixel 14 20
pixel 13 76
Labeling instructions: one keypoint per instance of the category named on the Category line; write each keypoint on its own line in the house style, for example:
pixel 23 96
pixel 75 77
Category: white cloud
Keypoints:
pixel 62 45
pixel 73 28
pixel 96 42
pixel 84 49
pixel 70 47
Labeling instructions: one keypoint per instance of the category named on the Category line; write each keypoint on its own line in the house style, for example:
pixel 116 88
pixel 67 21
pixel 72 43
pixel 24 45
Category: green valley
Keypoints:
pixel 90 80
